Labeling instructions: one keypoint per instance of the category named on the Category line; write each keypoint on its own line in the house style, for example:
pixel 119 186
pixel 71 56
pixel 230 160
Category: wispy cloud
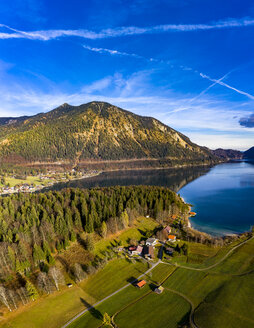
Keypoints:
pixel 113 52
pixel 227 86
pixel 137 94
pixel 45 35
pixel 204 76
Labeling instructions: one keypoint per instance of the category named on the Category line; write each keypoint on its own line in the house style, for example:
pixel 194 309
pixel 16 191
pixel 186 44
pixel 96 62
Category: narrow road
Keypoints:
pixel 192 323
pixel 107 297
pixel 215 264
pixel 171 290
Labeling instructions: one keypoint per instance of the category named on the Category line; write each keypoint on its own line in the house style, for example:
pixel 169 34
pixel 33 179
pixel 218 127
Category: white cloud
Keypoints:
pixel 205 117
pixel 45 35
pixel 184 68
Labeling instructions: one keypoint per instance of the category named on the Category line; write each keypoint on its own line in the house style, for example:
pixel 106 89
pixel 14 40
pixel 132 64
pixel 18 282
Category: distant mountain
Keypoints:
pixel 227 154
pixel 96 131
pixel 12 120
pixel 249 154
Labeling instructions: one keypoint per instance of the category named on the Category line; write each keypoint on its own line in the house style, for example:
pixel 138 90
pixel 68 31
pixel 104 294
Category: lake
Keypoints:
pixel 222 196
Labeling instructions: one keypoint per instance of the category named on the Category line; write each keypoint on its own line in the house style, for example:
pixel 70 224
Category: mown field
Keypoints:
pixel 62 306
pixel 222 296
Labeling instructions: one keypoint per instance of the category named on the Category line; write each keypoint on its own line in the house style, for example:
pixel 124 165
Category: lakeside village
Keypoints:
pixel 15 183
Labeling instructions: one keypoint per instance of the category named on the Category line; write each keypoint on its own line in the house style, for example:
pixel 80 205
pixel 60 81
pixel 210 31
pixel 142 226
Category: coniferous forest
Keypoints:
pixel 35 228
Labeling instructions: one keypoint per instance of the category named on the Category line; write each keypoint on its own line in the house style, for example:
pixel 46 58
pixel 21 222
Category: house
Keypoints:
pixel 151 242
pixel 169 250
pixel 172 238
pixel 174 216
pixel 132 249
pixel 159 290
pixel 167 229
pixel 141 283
pixel 136 250
pixel 148 252
pixel 139 250
pixel 193 213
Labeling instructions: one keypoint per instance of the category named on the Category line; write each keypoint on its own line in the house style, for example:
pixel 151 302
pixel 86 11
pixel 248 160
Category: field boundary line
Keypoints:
pixel 215 264
pixel 191 318
pixel 109 296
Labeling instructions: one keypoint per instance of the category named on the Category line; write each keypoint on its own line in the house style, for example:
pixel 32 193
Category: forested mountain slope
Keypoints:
pixel 93 131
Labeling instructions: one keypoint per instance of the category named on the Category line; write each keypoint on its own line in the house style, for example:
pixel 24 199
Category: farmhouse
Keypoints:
pixel 167 229
pixel 141 283
pixel 136 250
pixel 148 252
pixel 151 242
pixel 172 238
pixel 159 290
pixel 132 249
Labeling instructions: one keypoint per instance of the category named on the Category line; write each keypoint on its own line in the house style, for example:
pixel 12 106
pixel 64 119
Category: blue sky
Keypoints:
pixel 189 63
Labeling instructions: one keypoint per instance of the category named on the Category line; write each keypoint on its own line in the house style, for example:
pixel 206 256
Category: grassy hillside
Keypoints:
pixel 219 299
pixel 94 131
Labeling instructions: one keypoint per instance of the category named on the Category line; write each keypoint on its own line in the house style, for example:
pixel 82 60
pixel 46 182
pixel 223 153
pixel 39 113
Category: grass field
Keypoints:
pixel 230 305
pixel 52 311
pixel 108 279
pixel 165 310
pixel 141 226
pixel 29 180
pixel 222 296
pixel 92 319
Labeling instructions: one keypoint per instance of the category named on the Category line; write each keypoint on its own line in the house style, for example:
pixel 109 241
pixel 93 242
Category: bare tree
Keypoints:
pixel 57 276
pixel 21 296
pixel 78 272
pixel 13 297
pixel 44 283
pixel 4 297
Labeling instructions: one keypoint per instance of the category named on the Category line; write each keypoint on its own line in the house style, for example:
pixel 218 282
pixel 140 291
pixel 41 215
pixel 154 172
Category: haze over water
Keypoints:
pixel 222 196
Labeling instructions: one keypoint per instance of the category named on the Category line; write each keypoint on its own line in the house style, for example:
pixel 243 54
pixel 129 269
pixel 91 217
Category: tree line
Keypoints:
pixel 34 228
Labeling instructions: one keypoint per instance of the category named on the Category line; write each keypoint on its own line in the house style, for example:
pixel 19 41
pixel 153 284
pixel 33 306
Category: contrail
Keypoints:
pixel 227 86
pixel 45 35
pixel 114 52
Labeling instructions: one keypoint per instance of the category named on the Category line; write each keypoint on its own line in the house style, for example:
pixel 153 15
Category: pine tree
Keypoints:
pixel 103 229
pixel 31 291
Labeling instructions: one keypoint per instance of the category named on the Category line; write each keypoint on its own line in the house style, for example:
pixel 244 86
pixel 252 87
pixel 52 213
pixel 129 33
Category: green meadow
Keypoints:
pixel 221 295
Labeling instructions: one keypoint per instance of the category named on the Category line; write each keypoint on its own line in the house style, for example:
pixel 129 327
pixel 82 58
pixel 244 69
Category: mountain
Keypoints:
pixel 92 132
pixel 227 154
pixel 249 154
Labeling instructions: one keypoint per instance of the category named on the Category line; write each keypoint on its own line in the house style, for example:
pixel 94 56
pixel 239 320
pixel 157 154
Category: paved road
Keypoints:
pixel 104 299
pixel 173 291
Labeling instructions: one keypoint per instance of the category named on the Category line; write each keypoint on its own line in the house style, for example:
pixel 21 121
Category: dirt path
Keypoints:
pixel 215 264
pixel 192 323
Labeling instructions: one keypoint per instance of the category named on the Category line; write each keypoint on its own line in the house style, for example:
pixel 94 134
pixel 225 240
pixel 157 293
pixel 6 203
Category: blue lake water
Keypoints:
pixel 223 196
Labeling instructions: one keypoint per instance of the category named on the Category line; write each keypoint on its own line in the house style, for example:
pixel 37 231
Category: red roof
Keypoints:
pixel 141 283
pixel 171 237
